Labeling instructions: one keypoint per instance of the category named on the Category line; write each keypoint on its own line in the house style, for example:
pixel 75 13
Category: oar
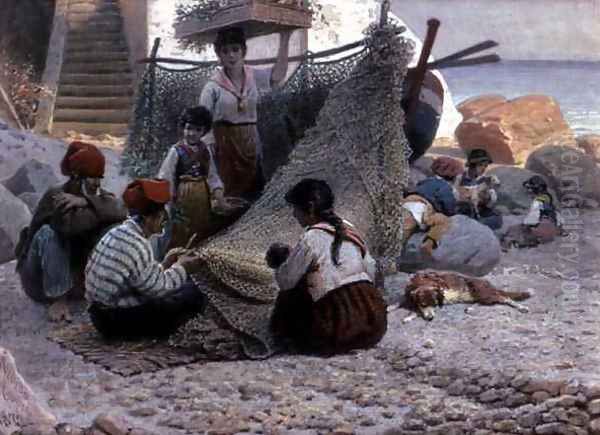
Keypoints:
pixel 488 58
pixel 469 50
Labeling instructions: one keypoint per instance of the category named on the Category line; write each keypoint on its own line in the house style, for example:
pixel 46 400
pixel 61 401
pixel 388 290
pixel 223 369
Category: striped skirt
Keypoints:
pixel 353 316
pixel 194 214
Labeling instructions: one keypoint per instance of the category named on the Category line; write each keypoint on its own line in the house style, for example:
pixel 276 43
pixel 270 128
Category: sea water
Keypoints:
pixel 575 85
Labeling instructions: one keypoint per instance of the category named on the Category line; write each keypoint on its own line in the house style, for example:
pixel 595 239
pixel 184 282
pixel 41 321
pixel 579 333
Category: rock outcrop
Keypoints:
pixel 14 215
pixel 510 131
pixel 590 144
pixel 474 106
pixel 32 177
pixel 572 174
pixel 18 404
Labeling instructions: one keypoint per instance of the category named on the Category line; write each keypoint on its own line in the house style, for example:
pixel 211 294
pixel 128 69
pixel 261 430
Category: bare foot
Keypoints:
pixel 59 312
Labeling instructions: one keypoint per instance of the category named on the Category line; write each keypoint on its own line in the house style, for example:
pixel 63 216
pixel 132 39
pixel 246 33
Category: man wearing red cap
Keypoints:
pixel 131 293
pixel 68 220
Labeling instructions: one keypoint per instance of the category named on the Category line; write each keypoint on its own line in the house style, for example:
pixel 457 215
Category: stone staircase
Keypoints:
pixel 95 91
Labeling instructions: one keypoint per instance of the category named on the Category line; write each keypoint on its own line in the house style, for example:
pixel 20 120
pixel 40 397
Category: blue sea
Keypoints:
pixel 575 85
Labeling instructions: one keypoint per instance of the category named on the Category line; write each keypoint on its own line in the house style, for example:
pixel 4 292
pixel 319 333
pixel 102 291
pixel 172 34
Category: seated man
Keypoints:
pixel 67 222
pixel 131 294
pixel 428 207
pixel 473 180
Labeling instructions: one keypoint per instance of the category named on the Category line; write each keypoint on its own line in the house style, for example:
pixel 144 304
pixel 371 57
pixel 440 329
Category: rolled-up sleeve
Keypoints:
pixel 214 179
pixel 208 99
pixel 295 267
pixel 168 168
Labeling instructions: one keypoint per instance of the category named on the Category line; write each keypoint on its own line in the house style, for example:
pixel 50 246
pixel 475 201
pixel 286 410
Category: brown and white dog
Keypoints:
pixel 427 290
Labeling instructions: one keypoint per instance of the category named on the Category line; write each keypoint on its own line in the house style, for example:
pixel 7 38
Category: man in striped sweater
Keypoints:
pixel 131 293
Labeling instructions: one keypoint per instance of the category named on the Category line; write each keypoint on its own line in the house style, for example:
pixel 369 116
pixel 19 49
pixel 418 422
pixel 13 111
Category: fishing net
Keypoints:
pixel 357 147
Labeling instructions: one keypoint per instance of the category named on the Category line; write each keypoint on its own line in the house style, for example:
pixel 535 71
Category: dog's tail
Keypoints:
pixel 518 296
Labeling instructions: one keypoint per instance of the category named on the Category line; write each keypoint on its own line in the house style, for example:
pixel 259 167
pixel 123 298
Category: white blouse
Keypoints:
pixel 313 252
pixel 223 104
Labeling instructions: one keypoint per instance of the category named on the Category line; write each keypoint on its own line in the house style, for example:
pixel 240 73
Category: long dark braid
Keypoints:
pixel 312 195
pixel 334 220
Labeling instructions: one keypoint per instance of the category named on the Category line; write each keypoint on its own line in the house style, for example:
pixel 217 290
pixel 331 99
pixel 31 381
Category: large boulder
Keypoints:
pixel 14 215
pixel 31 200
pixel 468 247
pixel 590 144
pixel 32 177
pixel 19 407
pixel 19 147
pixel 572 174
pixel 475 105
pixel 511 130
pixel 512 196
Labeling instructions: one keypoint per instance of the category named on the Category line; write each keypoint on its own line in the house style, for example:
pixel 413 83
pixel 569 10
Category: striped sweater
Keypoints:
pixel 122 271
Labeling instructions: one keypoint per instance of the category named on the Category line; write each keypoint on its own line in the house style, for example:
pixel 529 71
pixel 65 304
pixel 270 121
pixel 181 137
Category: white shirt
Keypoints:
pixel 314 249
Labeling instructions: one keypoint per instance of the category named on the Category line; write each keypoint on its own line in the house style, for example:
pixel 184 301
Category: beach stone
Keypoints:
pixel 468 247
pixel 590 144
pixel 32 177
pixel 112 425
pixel 510 131
pixel 18 400
pixel 570 172
pixel 14 215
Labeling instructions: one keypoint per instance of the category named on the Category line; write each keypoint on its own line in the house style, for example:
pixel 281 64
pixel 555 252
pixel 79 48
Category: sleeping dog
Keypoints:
pixel 426 290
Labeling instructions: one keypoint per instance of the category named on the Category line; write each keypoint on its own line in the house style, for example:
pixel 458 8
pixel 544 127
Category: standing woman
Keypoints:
pixel 231 95
pixel 327 303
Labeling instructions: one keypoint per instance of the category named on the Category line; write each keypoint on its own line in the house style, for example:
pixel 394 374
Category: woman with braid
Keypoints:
pixel 327 303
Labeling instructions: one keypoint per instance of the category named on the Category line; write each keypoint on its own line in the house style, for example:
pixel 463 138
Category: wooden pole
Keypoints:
pixel 419 73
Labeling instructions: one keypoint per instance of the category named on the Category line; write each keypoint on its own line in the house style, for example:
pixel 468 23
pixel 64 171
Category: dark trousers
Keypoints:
pixel 156 318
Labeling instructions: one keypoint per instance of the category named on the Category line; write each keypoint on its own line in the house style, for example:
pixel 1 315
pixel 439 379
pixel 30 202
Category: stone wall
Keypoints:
pixel 135 20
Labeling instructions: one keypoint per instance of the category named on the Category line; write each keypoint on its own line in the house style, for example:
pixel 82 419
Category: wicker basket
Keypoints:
pixel 256 17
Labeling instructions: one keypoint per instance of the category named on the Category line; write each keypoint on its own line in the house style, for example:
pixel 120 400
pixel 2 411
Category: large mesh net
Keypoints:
pixel 337 120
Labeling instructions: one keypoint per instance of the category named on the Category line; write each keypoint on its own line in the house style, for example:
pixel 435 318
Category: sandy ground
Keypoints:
pixel 368 391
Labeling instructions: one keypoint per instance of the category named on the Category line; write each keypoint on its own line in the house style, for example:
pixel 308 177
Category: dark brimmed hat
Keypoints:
pixel 477 156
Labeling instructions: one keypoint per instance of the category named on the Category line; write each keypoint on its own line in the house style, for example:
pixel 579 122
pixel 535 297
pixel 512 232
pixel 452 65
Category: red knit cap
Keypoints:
pixel 446 167
pixel 84 160
pixel 144 195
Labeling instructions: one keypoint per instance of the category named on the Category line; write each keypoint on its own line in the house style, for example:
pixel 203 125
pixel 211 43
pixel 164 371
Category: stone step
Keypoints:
pixel 99 27
pixel 103 116
pixel 94 90
pixel 96 56
pixel 82 8
pixel 79 19
pixel 96 79
pixel 115 103
pixel 96 68
pixel 94 129
pixel 85 37
pixel 79 46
